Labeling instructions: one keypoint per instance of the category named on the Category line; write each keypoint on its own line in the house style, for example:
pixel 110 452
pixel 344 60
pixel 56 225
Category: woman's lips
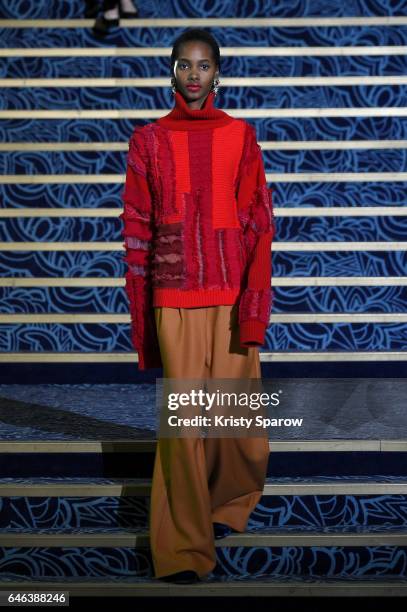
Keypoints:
pixel 194 87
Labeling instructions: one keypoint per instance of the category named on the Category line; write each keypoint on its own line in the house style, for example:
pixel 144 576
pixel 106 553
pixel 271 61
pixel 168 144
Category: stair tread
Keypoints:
pixel 98 480
pixel 280 578
pixel 286 530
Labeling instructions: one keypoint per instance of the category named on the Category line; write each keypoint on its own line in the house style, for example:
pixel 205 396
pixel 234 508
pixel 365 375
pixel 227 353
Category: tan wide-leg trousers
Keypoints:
pixel 198 481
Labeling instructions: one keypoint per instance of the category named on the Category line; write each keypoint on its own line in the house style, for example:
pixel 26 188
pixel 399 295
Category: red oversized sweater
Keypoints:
pixel 198 222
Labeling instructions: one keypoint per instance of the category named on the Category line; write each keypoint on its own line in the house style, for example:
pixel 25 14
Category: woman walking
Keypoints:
pixel 198 228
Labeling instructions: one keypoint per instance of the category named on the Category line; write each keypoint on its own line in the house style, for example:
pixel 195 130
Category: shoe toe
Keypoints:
pixel 221 531
pixel 103 26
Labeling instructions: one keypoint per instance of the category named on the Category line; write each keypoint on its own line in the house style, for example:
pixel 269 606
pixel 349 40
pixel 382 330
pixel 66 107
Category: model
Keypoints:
pixel 198 228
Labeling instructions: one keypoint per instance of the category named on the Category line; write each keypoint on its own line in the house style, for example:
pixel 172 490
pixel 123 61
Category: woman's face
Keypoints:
pixel 195 65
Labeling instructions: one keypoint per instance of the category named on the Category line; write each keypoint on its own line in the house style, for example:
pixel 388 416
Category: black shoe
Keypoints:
pixel 92 9
pixel 128 14
pixel 221 531
pixel 185 577
pixel 102 26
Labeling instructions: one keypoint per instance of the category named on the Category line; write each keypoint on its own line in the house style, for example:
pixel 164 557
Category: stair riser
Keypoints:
pixel 130 98
pixel 308 512
pixel 114 162
pixel 153 67
pixel 120 129
pixel 140 464
pixel 165 35
pixel 278 562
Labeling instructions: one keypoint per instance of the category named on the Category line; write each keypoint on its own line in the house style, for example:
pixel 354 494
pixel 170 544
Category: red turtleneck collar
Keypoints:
pixel 182 117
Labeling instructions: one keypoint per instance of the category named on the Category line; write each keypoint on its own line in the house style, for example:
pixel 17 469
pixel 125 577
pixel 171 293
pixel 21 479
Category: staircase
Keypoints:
pixel 77 430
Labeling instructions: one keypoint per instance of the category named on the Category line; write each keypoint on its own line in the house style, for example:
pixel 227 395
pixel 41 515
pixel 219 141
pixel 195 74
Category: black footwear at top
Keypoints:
pixel 102 26
pixel 128 14
pixel 221 531
pixel 185 577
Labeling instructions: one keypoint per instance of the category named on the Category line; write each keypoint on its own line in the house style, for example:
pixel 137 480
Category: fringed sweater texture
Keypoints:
pixel 198 222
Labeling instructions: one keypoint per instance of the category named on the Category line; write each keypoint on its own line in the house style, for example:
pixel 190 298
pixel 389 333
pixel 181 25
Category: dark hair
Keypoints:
pixel 195 34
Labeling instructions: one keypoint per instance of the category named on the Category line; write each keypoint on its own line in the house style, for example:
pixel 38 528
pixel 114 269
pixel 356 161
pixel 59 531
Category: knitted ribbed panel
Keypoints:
pixel 202 255
pixel 138 239
pixel 227 147
pixel 256 217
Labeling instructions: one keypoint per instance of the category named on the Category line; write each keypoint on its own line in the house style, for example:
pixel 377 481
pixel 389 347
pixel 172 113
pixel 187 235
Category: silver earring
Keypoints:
pixel 215 87
pixel 173 85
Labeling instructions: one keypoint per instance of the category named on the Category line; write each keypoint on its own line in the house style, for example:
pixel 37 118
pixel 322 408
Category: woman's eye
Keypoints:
pixel 182 65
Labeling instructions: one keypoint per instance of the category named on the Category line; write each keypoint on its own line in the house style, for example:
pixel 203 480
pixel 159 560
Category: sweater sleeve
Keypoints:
pixel 137 231
pixel 255 209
